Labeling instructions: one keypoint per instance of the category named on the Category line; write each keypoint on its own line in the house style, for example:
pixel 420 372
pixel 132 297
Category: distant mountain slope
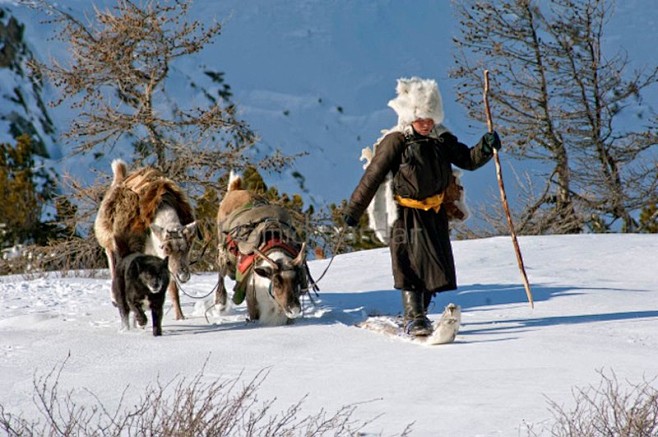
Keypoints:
pixel 22 108
pixel 315 76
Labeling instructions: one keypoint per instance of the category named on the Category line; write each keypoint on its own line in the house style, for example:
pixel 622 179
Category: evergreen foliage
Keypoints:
pixel 649 219
pixel 33 219
pixel 25 190
pixel 359 237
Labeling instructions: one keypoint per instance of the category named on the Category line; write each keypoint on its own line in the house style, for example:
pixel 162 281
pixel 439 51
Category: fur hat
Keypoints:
pixel 417 98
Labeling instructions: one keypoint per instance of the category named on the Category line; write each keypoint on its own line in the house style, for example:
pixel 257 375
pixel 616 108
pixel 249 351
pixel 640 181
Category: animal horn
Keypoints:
pixel 299 259
pixel 266 258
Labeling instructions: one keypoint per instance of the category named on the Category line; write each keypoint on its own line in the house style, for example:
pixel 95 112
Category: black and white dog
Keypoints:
pixel 140 281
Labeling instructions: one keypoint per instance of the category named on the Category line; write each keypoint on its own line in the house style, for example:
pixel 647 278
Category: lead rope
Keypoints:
pixel 180 284
pixel 313 283
pixel 180 287
pixel 203 252
pixel 334 251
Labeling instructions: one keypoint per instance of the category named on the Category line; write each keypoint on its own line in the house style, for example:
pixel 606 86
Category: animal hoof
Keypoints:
pixel 293 313
pixel 184 277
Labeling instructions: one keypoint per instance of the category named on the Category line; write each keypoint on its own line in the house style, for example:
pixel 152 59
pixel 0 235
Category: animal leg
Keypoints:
pixel 111 262
pixel 119 300
pixel 140 316
pixel 221 297
pixel 124 313
pixel 156 315
pixel 252 304
pixel 175 299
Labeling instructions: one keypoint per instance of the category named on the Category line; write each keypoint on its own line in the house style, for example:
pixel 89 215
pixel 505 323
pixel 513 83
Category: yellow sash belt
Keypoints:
pixel 432 202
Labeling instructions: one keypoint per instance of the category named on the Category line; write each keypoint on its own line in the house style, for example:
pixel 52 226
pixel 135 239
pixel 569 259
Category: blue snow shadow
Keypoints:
pixel 517 325
pixel 351 308
pixel 389 302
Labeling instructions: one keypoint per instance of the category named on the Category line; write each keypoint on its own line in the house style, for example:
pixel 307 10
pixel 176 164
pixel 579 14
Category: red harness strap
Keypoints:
pixel 246 261
pixel 232 246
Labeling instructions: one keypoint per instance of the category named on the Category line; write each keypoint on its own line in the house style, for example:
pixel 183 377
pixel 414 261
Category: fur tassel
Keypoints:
pixel 234 181
pixel 120 171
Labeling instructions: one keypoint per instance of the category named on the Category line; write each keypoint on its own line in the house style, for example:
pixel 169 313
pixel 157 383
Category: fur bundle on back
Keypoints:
pixel 154 189
pixel 131 203
pixel 113 219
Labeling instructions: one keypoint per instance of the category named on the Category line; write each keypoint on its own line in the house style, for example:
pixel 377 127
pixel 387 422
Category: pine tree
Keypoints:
pixel 649 219
pixel 24 194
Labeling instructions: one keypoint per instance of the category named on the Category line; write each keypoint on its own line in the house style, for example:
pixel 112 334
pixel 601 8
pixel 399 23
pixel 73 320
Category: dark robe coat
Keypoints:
pixel 421 166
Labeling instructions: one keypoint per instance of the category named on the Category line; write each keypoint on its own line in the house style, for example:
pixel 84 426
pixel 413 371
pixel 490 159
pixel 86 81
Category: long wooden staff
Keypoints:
pixel 503 196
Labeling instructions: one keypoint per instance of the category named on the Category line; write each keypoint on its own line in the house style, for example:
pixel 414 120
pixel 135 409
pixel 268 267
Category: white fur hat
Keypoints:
pixel 417 98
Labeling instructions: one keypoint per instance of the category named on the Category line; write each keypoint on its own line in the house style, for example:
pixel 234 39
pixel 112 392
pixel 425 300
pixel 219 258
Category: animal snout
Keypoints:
pixel 293 312
pixel 183 276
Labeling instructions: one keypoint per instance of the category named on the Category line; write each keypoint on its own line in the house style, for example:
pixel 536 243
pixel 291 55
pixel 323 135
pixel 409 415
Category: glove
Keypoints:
pixel 490 141
pixel 350 221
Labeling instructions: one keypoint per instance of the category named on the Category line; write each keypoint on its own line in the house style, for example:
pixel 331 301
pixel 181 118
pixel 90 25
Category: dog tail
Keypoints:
pixel 234 181
pixel 120 171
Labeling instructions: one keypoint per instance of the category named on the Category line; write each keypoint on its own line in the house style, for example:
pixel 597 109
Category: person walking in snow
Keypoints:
pixel 417 157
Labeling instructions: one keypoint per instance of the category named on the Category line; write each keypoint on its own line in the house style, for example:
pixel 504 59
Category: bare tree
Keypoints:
pixel 611 408
pixel 118 82
pixel 557 99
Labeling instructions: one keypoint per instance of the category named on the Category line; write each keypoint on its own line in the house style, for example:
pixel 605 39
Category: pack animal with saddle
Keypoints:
pixel 259 249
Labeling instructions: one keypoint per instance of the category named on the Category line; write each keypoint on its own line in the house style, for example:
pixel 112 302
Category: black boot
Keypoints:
pixel 427 299
pixel 416 323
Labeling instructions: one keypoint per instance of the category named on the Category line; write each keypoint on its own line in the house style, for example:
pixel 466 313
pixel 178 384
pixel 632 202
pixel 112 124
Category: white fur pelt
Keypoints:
pixel 417 98
pixel 461 203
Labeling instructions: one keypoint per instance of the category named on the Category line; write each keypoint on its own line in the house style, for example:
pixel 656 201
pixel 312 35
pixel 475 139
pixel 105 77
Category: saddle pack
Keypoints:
pixel 262 226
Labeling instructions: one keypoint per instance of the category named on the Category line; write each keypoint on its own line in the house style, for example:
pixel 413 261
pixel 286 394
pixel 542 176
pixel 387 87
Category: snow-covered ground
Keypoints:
pixel 596 309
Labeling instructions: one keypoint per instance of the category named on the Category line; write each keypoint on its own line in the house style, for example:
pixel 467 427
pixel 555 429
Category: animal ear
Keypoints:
pixel 301 256
pixel 158 231
pixel 188 230
pixel 264 271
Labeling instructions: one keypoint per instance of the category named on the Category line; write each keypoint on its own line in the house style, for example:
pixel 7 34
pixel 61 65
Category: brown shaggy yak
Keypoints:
pixel 158 215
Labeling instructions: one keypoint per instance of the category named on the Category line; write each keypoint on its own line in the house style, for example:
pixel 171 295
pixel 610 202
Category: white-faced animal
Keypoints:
pixel 258 250
pixel 274 298
pixel 148 205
